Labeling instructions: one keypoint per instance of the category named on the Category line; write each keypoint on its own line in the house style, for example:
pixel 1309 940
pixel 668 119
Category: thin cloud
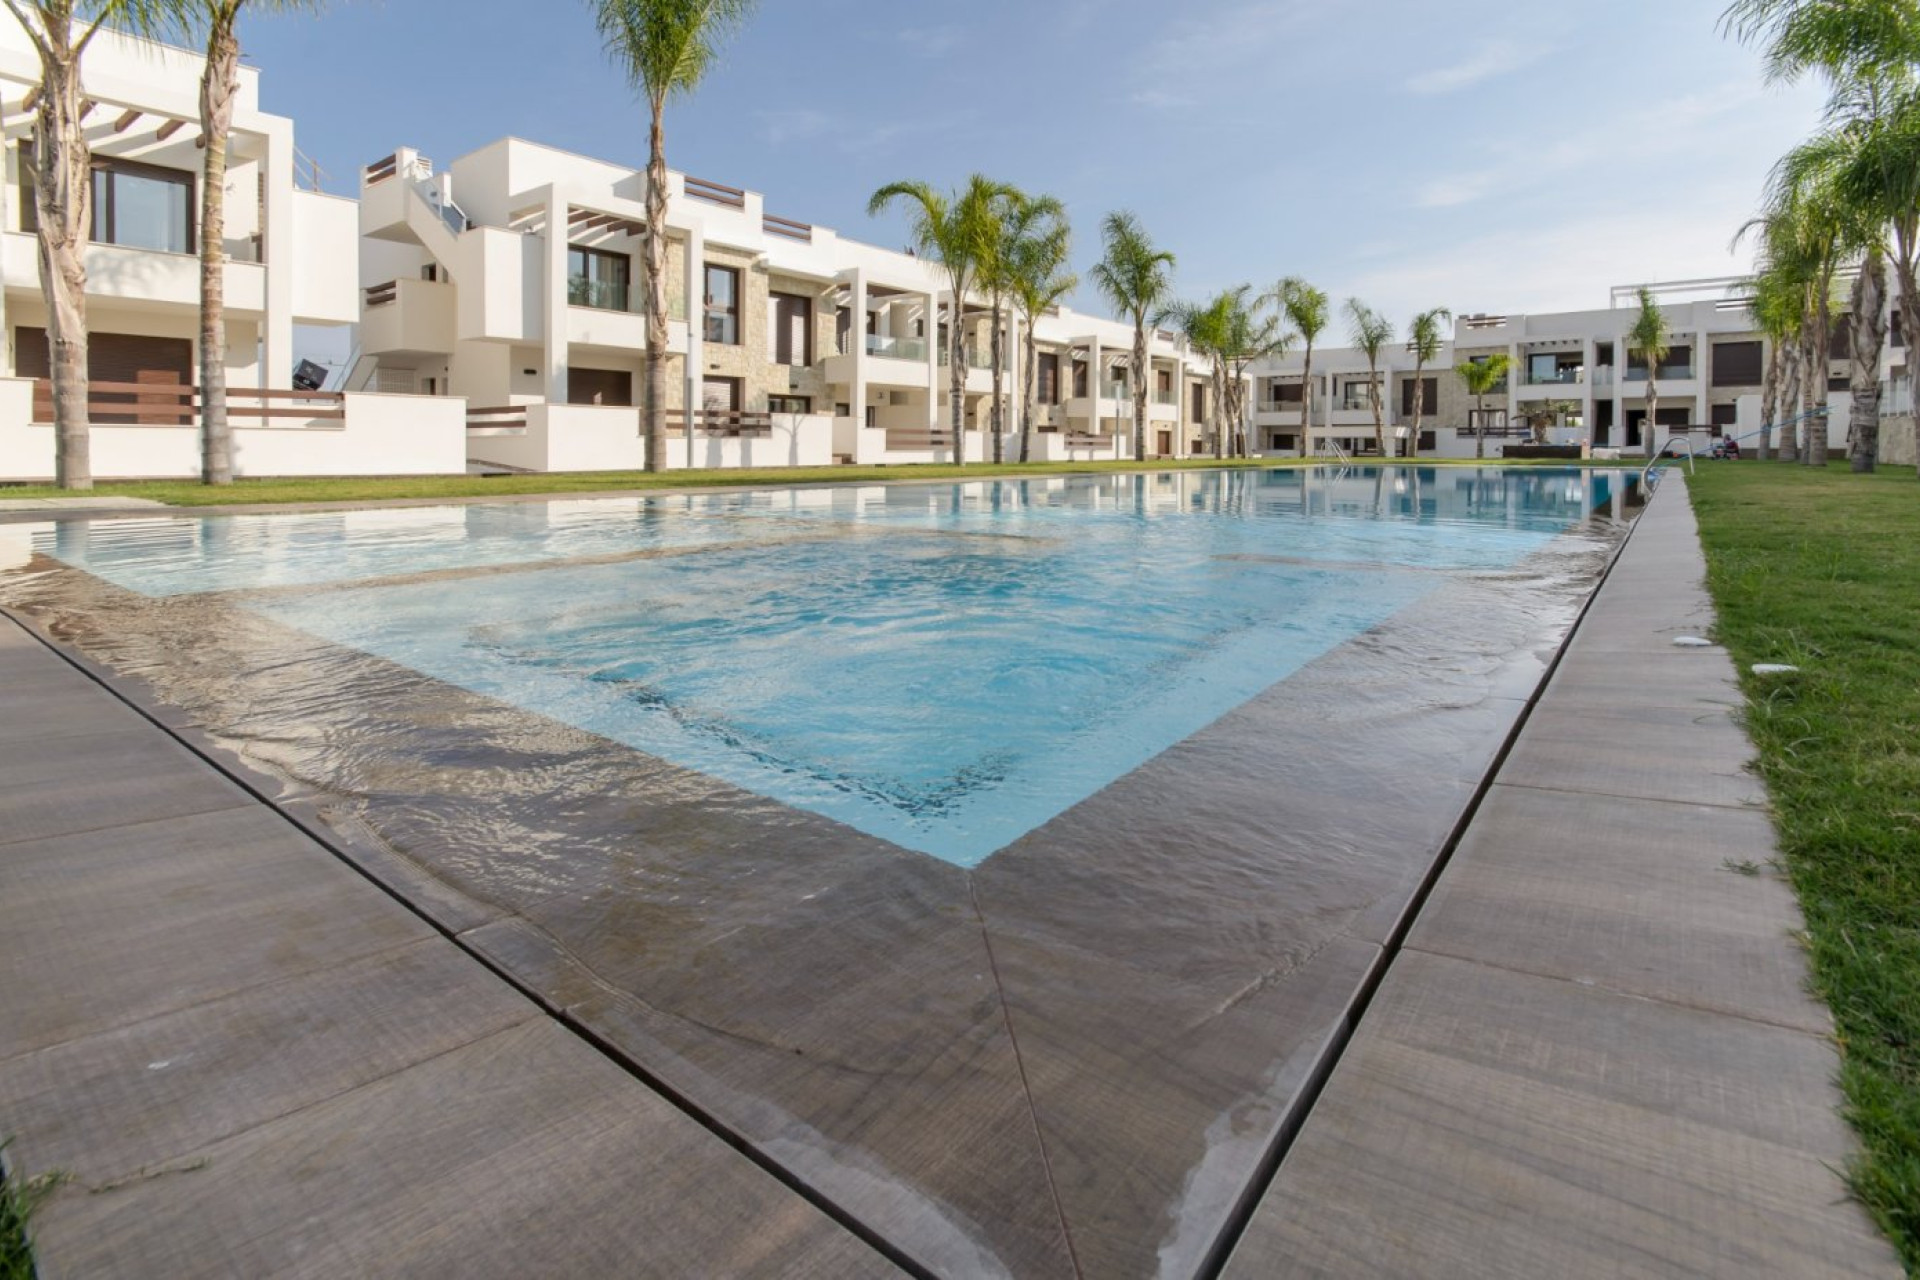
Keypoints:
pixel 1497 59
pixel 1160 100
pixel 932 42
pixel 1201 46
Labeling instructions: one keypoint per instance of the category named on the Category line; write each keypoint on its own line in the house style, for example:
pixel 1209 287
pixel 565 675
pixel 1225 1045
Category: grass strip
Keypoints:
pixel 1821 570
pixel 18 1200
pixel 186 493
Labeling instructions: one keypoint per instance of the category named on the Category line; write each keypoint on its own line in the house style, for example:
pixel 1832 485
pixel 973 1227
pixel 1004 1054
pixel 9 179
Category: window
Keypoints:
pixel 1736 364
pixel 1723 416
pixel 1164 381
pixel 142 206
pixel 720 395
pixel 600 386
pixel 596 278
pixel 789 404
pixel 1079 379
pixel 1429 396
pixel 790 329
pixel 723 306
pixel 1288 392
pixel 1047 377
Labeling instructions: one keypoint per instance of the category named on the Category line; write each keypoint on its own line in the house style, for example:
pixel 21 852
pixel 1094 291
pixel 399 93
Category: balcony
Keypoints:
pixel 1570 376
pixel 601 295
pixel 887 347
pixel 1667 372
pixel 407 315
pixel 977 358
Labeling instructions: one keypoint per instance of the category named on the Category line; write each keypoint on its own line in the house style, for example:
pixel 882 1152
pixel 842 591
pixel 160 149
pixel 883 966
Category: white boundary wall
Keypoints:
pixel 381 435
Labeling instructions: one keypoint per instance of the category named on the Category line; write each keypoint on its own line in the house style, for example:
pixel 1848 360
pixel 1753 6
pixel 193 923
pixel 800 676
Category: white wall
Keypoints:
pixel 381 435
pixel 325 249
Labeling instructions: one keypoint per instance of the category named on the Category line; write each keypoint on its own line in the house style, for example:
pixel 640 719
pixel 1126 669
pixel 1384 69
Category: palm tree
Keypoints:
pixel 1205 327
pixel 664 47
pixel 1866 50
pixel 1371 332
pixel 1648 336
pixel 1037 258
pixel 60 31
pixel 219 82
pixel 1016 216
pixel 1424 339
pixel 955 230
pixel 1136 279
pixel 1308 311
pixel 1233 330
pixel 1481 377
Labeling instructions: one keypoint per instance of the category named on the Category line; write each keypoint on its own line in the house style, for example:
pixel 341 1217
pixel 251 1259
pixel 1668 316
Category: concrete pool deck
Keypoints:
pixel 1599 1066
pixel 251 1061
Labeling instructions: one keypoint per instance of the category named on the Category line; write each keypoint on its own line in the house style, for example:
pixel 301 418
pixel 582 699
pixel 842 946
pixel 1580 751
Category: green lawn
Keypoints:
pixel 1821 569
pixel 181 493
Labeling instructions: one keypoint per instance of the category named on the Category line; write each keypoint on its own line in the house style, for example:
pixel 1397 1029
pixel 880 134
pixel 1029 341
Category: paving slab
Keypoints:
pixel 1571 750
pixel 1669 901
pixel 1488 1124
pixel 509 1157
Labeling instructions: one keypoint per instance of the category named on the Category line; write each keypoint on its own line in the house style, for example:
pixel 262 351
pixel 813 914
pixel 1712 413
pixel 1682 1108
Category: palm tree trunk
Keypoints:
pixel 1306 402
pixel 1813 386
pixel 1650 428
pixel 1869 336
pixel 1028 373
pixel 1789 410
pixel 217 87
pixel 1373 401
pixel 1769 401
pixel 1822 353
pixel 1903 265
pixel 654 397
pixel 1139 388
pixel 1219 411
pixel 1480 432
pixel 63 203
pixel 997 417
pixel 1419 407
pixel 957 379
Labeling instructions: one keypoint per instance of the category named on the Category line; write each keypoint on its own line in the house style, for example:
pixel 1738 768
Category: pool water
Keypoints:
pixel 945 667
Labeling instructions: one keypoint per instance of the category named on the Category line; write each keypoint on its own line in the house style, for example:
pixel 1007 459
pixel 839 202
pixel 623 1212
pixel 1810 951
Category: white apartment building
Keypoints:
pixel 288 252
pixel 512 279
pixel 497 311
pixel 1572 378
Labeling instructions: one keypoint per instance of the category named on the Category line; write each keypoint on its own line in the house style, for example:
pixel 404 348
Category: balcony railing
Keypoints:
pixel 160 405
pixel 1166 397
pixel 1668 373
pixel 1116 391
pixel 977 358
pixel 888 347
pixel 1361 403
pixel 1566 377
pixel 603 295
pixel 734 423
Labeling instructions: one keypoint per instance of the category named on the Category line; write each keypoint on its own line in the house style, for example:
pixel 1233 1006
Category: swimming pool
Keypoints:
pixel 946 667
pixel 998 860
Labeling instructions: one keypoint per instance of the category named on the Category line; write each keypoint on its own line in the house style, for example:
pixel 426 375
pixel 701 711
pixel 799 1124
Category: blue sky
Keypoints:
pixel 1482 156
